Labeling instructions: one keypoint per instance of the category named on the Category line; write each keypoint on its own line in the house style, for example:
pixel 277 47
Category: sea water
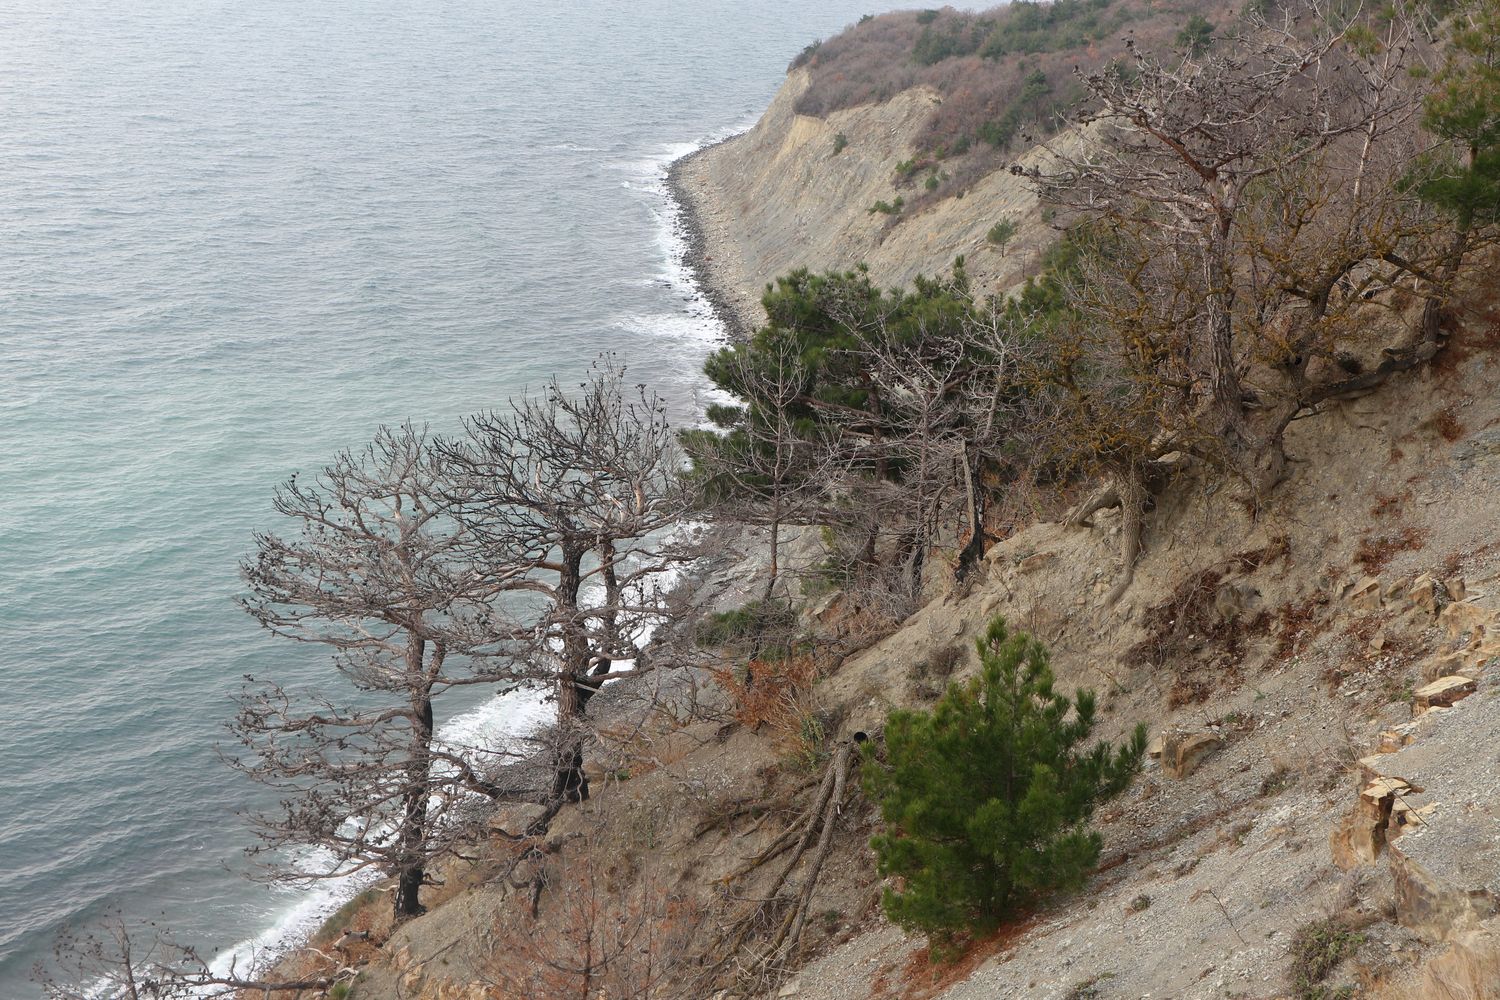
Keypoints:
pixel 234 239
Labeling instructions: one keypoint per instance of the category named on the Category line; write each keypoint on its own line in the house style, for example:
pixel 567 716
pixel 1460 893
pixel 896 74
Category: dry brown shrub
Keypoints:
pixel 873 61
pixel 1297 620
pixel 1188 634
pixel 1447 424
pixel 1387 504
pixel 601 932
pixel 777 695
pixel 1375 553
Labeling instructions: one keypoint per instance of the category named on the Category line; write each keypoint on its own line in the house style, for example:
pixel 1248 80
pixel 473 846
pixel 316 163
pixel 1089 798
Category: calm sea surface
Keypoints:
pixel 234 238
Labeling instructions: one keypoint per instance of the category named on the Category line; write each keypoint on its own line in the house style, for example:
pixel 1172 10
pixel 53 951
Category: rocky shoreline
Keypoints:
pixel 722 283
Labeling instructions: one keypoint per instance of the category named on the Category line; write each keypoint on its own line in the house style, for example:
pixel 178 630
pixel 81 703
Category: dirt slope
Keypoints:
pixel 1291 648
pixel 1284 660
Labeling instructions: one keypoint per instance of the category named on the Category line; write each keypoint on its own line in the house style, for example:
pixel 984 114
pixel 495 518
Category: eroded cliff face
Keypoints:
pixel 779 197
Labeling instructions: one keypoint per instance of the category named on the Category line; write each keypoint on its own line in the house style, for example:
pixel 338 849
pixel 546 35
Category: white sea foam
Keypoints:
pixel 498 725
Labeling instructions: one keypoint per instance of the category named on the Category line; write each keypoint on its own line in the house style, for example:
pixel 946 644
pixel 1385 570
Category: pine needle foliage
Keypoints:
pixel 986 798
pixel 1463 107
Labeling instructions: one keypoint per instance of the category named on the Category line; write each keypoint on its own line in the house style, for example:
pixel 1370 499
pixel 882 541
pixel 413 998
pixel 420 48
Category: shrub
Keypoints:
pixel 986 798
pixel 1197 36
pixel 806 55
pixel 768 625
pixel 1001 232
pixel 1089 989
pixel 888 208
pixel 941 661
pixel 1317 949
pixel 839 142
pixel 778 695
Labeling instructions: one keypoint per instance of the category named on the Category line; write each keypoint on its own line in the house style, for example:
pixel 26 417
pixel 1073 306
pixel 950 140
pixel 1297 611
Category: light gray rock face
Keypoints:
pixel 1444 834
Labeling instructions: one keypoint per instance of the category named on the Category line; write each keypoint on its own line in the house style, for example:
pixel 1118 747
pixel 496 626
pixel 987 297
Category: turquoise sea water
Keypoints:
pixel 234 238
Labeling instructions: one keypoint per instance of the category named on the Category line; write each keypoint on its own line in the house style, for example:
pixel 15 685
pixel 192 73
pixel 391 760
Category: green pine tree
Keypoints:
pixel 986 798
pixel 1197 36
pixel 1463 108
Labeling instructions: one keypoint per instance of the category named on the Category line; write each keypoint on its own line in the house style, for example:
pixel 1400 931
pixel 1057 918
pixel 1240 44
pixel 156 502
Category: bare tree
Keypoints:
pixel 117 961
pixel 768 468
pixel 1245 210
pixel 376 573
pixel 953 406
pixel 1179 156
pixel 574 498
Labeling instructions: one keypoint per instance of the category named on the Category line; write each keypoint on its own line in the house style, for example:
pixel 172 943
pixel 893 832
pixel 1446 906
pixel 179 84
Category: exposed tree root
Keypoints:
pixel 1129 491
pixel 1106 497
pixel 817 822
pixel 1132 493
pixel 790 933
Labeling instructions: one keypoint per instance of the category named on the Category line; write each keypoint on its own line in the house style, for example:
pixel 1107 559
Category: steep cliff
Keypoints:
pixel 789 194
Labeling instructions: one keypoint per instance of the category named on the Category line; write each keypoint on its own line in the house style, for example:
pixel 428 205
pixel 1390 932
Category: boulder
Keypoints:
pixel 1468 970
pixel 1404 814
pixel 1464 619
pixel 1392 740
pixel 1469 661
pixel 1436 907
pixel 1360 837
pixel 1183 753
pixel 1366 594
pixel 1443 665
pixel 1443 692
pixel 1428 593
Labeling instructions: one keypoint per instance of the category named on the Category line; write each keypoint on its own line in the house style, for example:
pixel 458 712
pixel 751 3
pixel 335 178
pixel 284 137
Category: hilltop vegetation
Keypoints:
pixel 1003 75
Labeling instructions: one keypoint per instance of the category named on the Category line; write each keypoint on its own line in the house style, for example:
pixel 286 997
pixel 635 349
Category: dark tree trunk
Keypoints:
pixel 413 834
pixel 775 554
pixel 974 497
pixel 1224 378
pixel 570 783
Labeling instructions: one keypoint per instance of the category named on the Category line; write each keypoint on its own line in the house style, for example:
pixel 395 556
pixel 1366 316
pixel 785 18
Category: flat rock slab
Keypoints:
pixel 1444 691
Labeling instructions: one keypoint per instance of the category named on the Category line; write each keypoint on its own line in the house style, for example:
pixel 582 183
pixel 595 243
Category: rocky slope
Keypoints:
pixel 1321 817
pixel 1323 682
